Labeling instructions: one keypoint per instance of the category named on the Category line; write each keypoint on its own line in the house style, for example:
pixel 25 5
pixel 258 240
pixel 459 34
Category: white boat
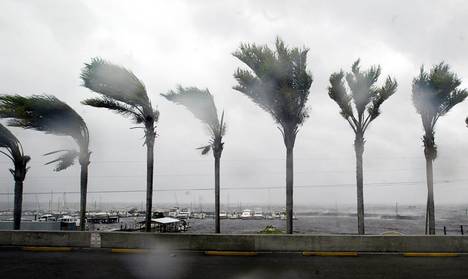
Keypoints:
pixel 233 215
pixel 47 218
pixel 223 215
pixel 66 219
pixel 184 213
pixel 258 215
pixel 247 214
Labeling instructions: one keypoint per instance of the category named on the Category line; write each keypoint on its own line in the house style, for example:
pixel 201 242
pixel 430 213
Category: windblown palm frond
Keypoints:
pixel 118 107
pixel 14 151
pixel 435 93
pixel 201 104
pixel 278 81
pixel 364 94
pixel 122 92
pixel 115 82
pixel 46 114
pixel 65 160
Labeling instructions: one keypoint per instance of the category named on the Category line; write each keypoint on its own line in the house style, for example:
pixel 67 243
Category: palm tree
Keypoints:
pixel 122 92
pixel 201 104
pixel 278 82
pixel 50 115
pixel 434 94
pixel 14 151
pixel 367 99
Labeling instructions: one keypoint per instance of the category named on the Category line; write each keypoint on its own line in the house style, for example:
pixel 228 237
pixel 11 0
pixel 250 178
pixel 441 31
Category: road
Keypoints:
pixel 104 264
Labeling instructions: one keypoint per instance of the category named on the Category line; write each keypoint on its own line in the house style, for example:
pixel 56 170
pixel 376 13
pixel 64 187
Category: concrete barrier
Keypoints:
pixel 45 238
pixel 224 242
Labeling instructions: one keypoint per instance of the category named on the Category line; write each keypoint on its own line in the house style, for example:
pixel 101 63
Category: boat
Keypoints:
pixel 246 214
pixel 184 214
pixel 233 215
pixel 258 215
pixel 223 215
pixel 47 218
pixel 68 223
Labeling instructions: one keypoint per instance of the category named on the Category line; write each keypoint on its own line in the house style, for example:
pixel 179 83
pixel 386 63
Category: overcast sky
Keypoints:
pixel 165 43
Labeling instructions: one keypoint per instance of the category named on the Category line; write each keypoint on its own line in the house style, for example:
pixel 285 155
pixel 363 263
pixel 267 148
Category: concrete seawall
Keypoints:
pixel 223 242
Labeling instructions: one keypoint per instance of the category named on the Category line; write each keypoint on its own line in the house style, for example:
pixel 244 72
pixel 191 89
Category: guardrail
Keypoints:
pixel 228 242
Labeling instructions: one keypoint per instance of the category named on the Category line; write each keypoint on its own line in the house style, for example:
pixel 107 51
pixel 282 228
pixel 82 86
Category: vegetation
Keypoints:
pixel 270 229
pixel 122 92
pixel 201 104
pixel 367 99
pixel 50 115
pixel 278 82
pixel 434 94
pixel 14 151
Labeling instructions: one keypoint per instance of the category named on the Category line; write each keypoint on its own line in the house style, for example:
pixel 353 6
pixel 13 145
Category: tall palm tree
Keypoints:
pixel 367 99
pixel 122 92
pixel 50 115
pixel 202 106
pixel 278 82
pixel 14 151
pixel 434 94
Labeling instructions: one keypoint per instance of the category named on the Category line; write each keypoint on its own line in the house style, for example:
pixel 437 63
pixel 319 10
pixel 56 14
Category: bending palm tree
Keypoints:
pixel 366 97
pixel 52 116
pixel 201 104
pixel 14 151
pixel 279 83
pixel 434 94
pixel 122 92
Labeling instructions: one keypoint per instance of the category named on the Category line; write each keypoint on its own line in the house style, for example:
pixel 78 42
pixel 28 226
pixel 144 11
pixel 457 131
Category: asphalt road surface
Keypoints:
pixel 104 264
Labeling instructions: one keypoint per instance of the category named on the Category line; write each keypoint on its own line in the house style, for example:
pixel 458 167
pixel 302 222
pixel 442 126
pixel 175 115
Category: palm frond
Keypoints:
pixel 44 113
pixel 364 94
pixel 381 95
pixel 116 106
pixel 14 151
pixel 435 93
pixel 114 82
pixel 12 145
pixel 199 102
pixel 361 84
pixel 278 81
pixel 65 160
pixel 337 92
pixel 121 92
pixel 205 149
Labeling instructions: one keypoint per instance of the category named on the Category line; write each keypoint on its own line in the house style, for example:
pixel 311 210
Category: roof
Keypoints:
pixel 165 220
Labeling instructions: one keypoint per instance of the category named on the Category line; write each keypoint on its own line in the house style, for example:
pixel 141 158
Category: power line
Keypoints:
pixel 210 174
pixel 374 184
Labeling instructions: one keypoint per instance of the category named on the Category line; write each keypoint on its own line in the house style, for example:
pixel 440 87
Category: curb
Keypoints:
pixel 47 249
pixel 431 254
pixel 231 253
pixel 129 251
pixel 331 254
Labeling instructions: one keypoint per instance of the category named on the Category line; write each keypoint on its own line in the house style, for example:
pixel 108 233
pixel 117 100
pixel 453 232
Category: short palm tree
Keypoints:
pixel 278 82
pixel 201 104
pixel 14 151
pixel 122 92
pixel 434 94
pixel 367 99
pixel 50 115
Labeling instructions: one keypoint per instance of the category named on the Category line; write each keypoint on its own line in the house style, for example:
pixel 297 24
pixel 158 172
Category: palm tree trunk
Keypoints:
pixel 149 182
pixel 430 196
pixel 18 204
pixel 83 193
pixel 289 189
pixel 359 149
pixel 217 199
